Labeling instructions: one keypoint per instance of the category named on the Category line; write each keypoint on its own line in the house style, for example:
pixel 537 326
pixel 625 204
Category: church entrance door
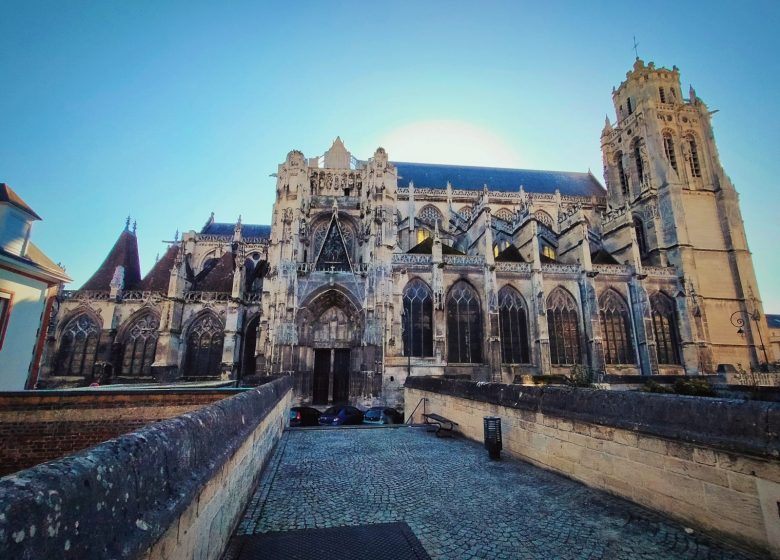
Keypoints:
pixel 331 376
pixel 321 379
pixel 341 375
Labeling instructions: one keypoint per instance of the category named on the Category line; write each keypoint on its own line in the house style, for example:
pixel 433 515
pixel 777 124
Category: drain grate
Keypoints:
pixel 383 541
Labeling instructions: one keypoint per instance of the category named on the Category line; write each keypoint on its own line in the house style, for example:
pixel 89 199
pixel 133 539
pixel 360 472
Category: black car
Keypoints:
pixel 382 415
pixel 341 415
pixel 304 416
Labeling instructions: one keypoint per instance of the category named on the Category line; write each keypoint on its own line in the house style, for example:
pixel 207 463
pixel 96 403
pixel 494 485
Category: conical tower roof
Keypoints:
pixel 123 253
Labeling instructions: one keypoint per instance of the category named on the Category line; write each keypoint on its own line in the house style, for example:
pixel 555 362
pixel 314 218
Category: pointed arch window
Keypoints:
pixel 667 337
pixel 616 328
pixel 505 214
pixel 139 346
pixel 418 319
pixel 464 325
pixel 695 165
pixel 513 325
pixel 562 323
pixel 204 347
pixel 669 150
pixel 621 173
pixel 333 253
pixel 641 239
pixel 78 346
pixel 638 162
pixel 430 215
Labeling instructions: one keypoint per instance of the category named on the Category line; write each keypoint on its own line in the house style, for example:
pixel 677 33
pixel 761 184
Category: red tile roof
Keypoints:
pixel 123 253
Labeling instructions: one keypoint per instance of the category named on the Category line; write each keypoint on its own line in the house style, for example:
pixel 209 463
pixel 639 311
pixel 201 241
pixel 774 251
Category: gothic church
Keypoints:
pixel 373 270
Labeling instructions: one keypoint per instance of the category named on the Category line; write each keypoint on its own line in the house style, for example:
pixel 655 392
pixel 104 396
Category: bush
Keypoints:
pixel 655 387
pixel 693 387
pixel 581 376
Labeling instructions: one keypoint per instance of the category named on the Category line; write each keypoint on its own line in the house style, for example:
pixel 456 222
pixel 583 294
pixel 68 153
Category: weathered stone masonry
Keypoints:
pixel 711 463
pixel 164 491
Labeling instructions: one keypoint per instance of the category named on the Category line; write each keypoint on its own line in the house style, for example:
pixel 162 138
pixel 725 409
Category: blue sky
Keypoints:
pixel 171 110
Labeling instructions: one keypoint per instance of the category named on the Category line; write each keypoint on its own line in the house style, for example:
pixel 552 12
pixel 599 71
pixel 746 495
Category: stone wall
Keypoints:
pixel 39 426
pixel 710 463
pixel 173 489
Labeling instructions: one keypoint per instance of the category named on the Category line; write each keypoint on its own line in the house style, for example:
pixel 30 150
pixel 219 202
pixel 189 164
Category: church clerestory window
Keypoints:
pixel 513 325
pixel 79 345
pixel 669 150
pixel 139 346
pixel 616 329
pixel 667 337
pixel 418 320
pixel 562 323
pixel 204 347
pixel 464 325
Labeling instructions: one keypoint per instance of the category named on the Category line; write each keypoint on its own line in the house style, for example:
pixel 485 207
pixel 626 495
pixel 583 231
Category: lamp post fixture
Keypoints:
pixel 738 319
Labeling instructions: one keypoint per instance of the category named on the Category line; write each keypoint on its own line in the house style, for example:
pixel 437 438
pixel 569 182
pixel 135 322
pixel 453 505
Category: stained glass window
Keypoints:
pixel 418 319
pixel 78 346
pixel 140 344
pixel 464 325
pixel 616 329
pixel 204 347
pixel 563 327
pixel 513 326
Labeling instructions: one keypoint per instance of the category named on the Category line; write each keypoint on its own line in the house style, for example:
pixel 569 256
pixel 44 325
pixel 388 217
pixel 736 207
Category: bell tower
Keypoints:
pixel 663 173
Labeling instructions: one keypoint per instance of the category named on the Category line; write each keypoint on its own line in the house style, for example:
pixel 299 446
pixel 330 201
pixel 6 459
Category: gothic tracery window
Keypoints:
pixel 621 173
pixel 616 328
pixel 321 231
pixel 694 162
pixel 544 218
pixel 78 346
pixel 513 325
pixel 667 338
pixel 204 347
pixel 466 212
pixel 418 319
pixel 504 214
pixel 430 215
pixel 464 325
pixel 641 239
pixel 638 161
pixel 562 323
pixel 139 346
pixel 669 150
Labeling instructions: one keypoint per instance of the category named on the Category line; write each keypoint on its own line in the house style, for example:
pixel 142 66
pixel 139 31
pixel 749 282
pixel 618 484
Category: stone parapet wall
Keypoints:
pixel 39 426
pixel 710 463
pixel 165 491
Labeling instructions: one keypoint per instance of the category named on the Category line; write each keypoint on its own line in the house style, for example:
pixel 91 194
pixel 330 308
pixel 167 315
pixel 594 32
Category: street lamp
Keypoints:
pixel 738 320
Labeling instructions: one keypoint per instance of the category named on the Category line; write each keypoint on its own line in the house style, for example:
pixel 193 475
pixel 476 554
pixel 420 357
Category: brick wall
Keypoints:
pixel 39 426
pixel 719 473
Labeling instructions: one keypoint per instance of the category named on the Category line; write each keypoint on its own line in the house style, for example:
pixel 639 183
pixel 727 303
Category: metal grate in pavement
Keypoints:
pixel 382 541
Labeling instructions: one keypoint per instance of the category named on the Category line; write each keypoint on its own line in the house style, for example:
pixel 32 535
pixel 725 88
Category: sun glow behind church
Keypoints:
pixel 450 141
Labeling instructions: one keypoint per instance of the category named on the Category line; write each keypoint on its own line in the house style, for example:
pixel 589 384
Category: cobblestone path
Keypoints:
pixel 457 502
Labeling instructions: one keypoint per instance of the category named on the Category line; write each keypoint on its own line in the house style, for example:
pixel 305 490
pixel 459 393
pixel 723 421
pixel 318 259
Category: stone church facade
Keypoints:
pixel 373 270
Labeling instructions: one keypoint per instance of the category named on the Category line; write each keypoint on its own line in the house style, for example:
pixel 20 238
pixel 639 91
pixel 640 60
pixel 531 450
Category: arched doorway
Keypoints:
pixel 330 327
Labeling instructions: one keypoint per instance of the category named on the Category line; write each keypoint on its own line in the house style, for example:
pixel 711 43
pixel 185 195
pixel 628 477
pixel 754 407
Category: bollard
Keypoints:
pixel 493 436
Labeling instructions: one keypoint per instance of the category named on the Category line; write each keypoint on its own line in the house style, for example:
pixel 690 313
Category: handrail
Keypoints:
pixel 415 409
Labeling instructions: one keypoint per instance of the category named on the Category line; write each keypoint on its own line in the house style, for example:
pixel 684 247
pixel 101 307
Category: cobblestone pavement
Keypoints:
pixel 458 503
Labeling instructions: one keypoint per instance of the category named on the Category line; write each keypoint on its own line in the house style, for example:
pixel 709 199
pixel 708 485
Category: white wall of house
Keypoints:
pixel 21 333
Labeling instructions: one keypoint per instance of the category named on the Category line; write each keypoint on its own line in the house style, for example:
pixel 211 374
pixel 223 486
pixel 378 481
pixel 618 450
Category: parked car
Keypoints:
pixel 304 416
pixel 382 415
pixel 341 415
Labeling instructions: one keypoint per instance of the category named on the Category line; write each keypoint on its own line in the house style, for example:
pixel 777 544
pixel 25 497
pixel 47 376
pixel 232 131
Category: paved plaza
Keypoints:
pixel 457 502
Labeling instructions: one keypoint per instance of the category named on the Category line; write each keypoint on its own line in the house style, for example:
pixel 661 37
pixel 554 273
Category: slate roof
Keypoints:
pixel 425 247
pixel 123 253
pixel 510 254
pixel 773 321
pixel 247 230
pixel 8 195
pixel 601 256
pixel 219 278
pixel 157 279
pixel 498 179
